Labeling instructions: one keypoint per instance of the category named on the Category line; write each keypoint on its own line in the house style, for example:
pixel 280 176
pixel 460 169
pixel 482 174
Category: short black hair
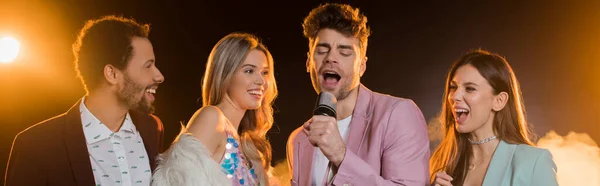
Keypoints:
pixel 103 41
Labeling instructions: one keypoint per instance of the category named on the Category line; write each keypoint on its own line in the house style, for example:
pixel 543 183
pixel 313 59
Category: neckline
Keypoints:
pixel 494 158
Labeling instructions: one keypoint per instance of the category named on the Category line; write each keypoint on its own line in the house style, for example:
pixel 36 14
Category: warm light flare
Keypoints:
pixel 9 49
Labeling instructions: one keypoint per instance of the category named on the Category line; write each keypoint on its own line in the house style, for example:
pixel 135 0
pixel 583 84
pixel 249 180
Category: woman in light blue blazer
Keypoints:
pixel 486 137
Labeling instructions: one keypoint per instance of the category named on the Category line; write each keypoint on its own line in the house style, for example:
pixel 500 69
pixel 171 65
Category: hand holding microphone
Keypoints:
pixel 323 131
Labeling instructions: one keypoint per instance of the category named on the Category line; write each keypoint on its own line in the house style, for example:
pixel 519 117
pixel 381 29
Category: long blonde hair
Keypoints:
pixel 225 58
pixel 509 124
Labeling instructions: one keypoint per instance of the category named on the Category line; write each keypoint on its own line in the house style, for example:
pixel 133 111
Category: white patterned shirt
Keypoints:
pixel 118 158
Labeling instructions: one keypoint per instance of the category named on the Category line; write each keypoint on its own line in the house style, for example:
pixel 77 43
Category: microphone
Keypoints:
pixel 326 105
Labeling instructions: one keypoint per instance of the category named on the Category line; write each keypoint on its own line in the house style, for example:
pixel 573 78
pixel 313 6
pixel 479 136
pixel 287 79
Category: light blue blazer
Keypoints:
pixel 520 165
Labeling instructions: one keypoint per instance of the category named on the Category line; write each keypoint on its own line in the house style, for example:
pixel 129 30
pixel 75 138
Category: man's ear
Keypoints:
pixel 363 65
pixel 111 74
pixel 500 101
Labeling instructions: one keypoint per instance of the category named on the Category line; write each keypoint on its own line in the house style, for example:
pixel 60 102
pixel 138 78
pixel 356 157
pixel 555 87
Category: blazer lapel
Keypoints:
pixel 360 120
pixel 306 152
pixel 148 134
pixel 76 148
pixel 499 165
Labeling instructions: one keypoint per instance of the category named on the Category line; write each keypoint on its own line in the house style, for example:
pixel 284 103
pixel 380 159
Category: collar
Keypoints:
pixel 95 130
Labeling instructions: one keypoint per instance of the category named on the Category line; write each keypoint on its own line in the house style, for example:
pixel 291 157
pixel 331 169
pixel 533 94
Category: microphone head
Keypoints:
pixel 326 105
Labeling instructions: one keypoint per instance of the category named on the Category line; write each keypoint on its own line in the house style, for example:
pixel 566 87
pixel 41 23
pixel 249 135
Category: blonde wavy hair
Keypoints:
pixel 224 60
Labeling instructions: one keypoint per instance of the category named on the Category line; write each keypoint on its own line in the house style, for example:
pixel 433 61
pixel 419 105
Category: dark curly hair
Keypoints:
pixel 103 41
pixel 339 17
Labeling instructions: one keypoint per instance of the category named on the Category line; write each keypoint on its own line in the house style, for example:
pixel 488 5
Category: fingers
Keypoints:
pixel 314 140
pixel 319 135
pixel 444 176
pixel 318 131
pixel 319 127
pixel 443 179
pixel 442 182
pixel 306 124
pixel 306 127
pixel 318 118
pixel 320 122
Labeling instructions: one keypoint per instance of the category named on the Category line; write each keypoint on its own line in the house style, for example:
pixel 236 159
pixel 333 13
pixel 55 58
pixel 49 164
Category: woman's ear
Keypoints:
pixel 500 101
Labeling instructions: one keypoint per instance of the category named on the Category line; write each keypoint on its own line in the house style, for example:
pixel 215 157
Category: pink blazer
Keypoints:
pixel 388 144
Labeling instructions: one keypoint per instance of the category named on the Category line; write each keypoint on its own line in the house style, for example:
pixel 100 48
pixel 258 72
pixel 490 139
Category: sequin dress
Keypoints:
pixel 234 164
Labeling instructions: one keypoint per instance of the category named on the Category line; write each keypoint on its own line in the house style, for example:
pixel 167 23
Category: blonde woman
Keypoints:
pixel 225 142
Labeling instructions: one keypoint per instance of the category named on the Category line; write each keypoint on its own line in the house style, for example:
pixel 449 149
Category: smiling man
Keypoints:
pixel 109 137
pixel 376 139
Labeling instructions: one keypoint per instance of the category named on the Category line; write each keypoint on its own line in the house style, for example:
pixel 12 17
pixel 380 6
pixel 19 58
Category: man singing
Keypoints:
pixel 376 139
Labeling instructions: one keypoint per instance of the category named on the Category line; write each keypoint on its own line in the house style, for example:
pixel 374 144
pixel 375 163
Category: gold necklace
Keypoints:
pixel 472 165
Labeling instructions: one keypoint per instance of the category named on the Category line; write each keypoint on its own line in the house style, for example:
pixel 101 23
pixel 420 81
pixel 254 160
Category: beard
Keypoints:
pixel 343 92
pixel 128 94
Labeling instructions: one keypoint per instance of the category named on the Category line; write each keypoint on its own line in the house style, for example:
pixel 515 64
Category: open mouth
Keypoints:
pixel 256 93
pixel 150 93
pixel 461 114
pixel 331 78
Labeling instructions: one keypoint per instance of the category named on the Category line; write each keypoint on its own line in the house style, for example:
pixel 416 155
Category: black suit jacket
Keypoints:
pixel 54 152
